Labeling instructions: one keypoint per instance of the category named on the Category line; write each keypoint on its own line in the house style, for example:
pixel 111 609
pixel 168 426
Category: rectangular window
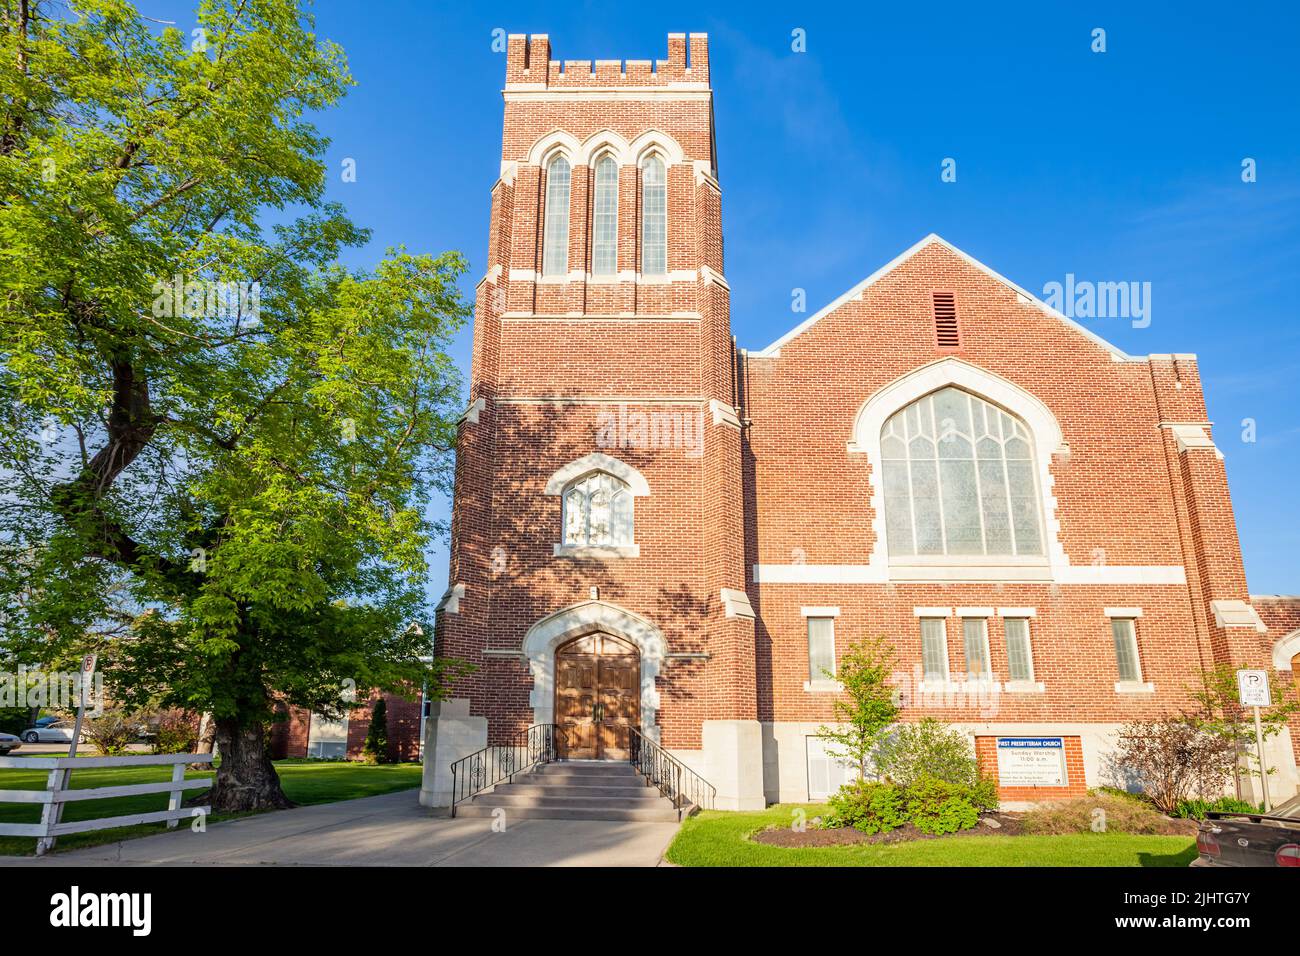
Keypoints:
pixel 975 636
pixel 934 649
pixel 821 648
pixel 1020 660
pixel 1126 649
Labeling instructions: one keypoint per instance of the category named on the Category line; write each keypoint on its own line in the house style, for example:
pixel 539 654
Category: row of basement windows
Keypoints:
pixel 604 217
pixel 975 641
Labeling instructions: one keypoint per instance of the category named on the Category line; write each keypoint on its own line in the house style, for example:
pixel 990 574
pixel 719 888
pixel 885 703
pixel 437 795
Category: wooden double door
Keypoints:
pixel 597 697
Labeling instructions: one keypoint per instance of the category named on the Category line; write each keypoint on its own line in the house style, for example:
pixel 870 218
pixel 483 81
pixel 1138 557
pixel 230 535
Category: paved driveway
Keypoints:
pixel 390 830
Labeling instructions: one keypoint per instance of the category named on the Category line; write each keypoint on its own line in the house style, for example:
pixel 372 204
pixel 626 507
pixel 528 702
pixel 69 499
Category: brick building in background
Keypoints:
pixel 656 531
pixel 300 733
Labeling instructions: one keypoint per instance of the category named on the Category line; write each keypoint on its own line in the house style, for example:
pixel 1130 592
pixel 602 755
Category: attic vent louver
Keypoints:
pixel 946 333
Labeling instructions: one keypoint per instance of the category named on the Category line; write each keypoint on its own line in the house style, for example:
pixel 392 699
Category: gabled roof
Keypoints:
pixel 773 350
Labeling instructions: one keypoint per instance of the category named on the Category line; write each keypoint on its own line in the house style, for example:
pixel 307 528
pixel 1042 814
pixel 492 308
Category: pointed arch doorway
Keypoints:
pixel 597 696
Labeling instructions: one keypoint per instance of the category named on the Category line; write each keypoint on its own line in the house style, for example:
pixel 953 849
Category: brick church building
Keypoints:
pixel 655 531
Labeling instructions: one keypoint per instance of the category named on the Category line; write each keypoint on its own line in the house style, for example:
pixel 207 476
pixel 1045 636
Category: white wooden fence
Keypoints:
pixel 57 793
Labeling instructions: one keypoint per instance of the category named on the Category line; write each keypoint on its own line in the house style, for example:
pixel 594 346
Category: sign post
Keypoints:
pixel 87 675
pixel 1253 691
pixel 59 778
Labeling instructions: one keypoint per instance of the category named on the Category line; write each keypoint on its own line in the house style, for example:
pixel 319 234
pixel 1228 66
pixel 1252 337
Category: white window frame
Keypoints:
pixel 1129 616
pixel 983 621
pixel 1020 683
pixel 818 680
pixel 926 676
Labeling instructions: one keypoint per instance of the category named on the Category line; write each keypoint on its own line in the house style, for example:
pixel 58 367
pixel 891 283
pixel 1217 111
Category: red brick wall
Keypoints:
pixel 986 752
pixel 1281 615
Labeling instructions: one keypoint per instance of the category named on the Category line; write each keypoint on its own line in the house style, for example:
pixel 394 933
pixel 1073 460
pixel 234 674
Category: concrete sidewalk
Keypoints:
pixel 390 830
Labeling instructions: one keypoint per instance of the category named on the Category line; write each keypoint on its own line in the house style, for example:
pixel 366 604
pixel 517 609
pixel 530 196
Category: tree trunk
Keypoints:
pixel 246 779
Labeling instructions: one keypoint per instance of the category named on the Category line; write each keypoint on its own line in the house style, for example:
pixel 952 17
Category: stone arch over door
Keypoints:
pixel 588 617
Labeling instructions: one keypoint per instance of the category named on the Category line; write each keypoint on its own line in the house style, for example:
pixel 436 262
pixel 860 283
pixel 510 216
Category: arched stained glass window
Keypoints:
pixel 555 238
pixel 604 219
pixel 958 478
pixel 598 511
pixel 654 217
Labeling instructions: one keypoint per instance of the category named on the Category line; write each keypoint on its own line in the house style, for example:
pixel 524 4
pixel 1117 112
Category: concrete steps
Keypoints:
pixel 575 790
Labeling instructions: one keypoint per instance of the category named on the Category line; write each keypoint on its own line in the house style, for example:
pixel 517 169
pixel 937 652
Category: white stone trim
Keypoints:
pixel 976 612
pixel 545 636
pixel 994 573
pixel 1190 437
pixel 1134 687
pixel 1122 612
pixel 598 461
pixel 1017 612
pixel 819 611
pixel 605 141
pixel 471 414
pixel 1024 687
pixel 1237 614
pixel 450 601
pixel 822 686
pixel 724 414
pixel 736 603
pixel 943 612
pixel 1285 649
pixel 774 350
pixel 536 92
pixel 597 551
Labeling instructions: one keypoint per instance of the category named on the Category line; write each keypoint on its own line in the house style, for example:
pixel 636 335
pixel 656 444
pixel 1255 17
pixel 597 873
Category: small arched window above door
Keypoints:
pixel 598 511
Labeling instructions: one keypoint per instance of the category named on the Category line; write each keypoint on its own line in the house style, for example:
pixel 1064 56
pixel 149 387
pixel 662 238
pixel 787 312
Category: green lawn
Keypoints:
pixel 305 782
pixel 715 838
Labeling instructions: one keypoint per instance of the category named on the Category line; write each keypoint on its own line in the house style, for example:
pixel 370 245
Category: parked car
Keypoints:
pixel 1248 839
pixel 55 732
pixel 45 721
pixel 8 742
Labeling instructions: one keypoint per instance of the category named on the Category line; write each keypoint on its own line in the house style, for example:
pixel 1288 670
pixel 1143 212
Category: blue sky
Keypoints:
pixel 1117 166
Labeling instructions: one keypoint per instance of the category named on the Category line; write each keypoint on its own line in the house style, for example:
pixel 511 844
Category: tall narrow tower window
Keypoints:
pixel 604 247
pixel 654 218
pixel 555 240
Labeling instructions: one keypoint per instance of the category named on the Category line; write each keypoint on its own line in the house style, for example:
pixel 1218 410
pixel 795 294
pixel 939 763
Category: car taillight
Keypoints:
pixel 1288 855
pixel 1206 843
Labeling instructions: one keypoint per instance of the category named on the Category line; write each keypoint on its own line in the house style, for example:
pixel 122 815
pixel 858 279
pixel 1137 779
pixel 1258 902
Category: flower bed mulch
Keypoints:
pixel 1009 824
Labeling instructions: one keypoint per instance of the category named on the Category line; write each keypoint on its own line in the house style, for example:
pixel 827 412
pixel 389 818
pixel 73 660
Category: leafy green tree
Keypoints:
pixel 1218 711
pixel 375 749
pixel 213 436
pixel 864 713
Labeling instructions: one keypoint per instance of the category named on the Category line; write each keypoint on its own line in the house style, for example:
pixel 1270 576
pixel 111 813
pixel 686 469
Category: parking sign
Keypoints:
pixel 1253 688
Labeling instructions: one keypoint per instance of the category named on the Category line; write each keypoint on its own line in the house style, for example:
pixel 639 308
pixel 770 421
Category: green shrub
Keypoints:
pixel 928 748
pixel 937 806
pixel 176 733
pixel 1197 809
pixel 867 806
pixel 375 749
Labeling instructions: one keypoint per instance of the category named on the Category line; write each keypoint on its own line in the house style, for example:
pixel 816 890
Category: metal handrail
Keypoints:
pixel 499 763
pixel 682 785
